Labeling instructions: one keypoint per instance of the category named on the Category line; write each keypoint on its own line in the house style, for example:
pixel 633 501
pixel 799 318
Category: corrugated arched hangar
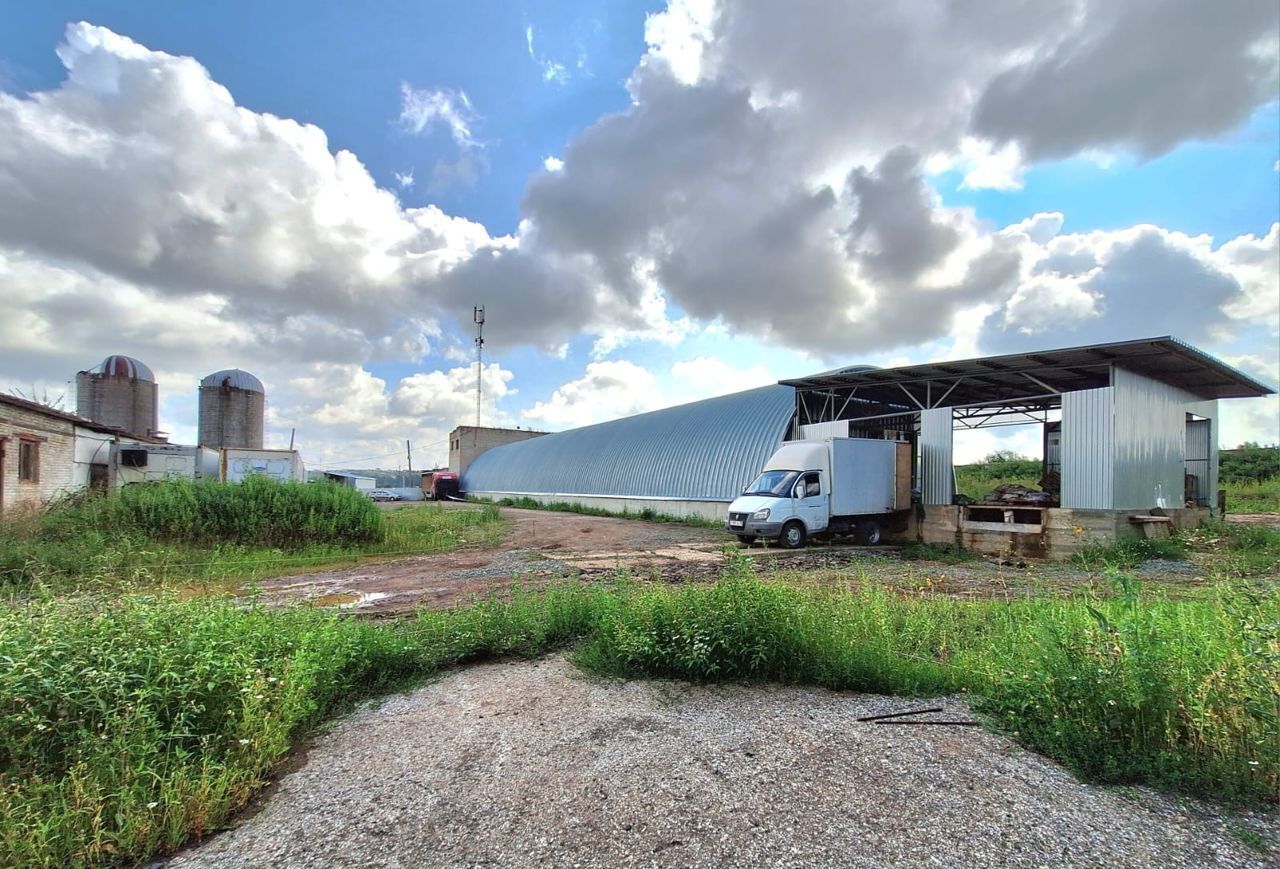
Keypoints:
pixel 692 459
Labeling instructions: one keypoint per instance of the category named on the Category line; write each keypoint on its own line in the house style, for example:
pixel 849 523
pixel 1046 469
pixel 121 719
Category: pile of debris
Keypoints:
pixel 1017 495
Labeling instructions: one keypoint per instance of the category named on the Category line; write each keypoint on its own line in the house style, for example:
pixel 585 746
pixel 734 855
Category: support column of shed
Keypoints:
pixel 937 473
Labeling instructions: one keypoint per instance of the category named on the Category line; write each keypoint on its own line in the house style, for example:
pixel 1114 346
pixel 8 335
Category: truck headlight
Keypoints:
pixel 761 514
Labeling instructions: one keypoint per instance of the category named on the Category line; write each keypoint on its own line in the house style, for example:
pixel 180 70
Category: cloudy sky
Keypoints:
pixel 655 203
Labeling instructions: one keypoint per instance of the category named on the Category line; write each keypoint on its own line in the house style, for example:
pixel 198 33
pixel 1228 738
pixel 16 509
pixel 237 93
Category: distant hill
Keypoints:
pixel 383 478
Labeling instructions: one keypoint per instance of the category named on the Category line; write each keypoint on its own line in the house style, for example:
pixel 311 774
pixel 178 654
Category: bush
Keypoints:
pixel 212 531
pixel 1249 464
pixel 258 511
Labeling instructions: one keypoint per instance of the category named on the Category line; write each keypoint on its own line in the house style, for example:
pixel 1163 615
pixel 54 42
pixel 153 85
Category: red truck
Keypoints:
pixel 439 485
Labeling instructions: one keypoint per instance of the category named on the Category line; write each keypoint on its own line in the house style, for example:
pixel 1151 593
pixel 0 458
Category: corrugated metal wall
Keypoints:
pixel 937 471
pixel 816 431
pixel 1088 445
pixel 707 450
pixel 1150 441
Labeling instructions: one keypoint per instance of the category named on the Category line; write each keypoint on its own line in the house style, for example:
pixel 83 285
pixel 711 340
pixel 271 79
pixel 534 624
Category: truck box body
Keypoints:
pixel 148 463
pixel 863 473
pixel 282 465
pixel 862 476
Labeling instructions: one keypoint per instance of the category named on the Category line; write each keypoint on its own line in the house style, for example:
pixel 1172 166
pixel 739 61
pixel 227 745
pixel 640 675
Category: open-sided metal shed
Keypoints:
pixel 1136 417
pixel 1130 435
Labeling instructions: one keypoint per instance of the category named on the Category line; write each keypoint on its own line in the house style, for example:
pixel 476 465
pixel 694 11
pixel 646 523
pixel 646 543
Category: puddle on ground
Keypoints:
pixel 347 599
pixel 341 598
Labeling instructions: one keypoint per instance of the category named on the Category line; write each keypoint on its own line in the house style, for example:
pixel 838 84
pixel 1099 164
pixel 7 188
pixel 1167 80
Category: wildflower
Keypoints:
pixel 1111 703
pixel 152 805
pixel 244 742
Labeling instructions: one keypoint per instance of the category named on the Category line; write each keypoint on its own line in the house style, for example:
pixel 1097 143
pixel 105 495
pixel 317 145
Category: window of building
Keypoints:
pixel 29 462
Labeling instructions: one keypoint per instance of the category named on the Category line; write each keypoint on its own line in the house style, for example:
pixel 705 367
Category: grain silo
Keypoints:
pixel 232 405
pixel 121 393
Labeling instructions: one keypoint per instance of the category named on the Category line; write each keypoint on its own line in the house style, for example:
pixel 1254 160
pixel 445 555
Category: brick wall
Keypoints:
pixel 56 447
pixel 467 441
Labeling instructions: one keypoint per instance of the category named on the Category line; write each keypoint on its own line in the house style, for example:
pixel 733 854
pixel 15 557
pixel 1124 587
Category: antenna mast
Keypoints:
pixel 478 316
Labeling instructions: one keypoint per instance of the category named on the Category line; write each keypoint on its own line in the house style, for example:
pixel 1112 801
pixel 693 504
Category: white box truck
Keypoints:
pixel 835 486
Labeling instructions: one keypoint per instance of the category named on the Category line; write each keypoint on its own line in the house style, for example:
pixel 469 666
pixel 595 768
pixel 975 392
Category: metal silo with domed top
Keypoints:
pixel 232 409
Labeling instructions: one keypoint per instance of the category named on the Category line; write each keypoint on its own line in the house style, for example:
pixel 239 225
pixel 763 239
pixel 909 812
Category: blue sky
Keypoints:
pixel 571 336
pixel 1224 187
pixel 340 66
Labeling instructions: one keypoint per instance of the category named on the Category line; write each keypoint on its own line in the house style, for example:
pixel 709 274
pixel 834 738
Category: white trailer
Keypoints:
pixel 355 481
pixel 852 486
pixel 239 463
pixel 149 463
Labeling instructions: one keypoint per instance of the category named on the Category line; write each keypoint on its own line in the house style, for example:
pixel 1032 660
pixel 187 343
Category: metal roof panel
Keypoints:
pixel 706 450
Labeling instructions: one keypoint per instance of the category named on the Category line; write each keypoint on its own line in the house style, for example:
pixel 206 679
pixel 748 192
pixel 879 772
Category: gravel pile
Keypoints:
pixel 534 764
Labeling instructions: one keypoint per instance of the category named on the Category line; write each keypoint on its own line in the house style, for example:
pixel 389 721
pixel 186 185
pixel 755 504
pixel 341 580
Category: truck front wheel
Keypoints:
pixel 793 535
pixel 867 533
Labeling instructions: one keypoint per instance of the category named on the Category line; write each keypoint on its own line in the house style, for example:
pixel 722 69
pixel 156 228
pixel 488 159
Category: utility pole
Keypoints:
pixel 408 454
pixel 478 316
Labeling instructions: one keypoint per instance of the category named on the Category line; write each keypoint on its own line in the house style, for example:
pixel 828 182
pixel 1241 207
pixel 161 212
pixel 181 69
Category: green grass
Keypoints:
pixel 128 725
pixel 647 515
pixel 1253 497
pixel 1228 550
pixel 215 532
pixel 1129 553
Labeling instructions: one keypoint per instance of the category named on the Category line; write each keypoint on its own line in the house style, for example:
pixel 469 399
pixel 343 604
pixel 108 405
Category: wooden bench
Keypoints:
pixel 1154 527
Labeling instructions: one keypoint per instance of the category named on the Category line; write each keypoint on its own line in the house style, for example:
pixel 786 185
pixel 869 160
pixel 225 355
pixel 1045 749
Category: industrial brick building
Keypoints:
pixel 468 441
pixel 46 454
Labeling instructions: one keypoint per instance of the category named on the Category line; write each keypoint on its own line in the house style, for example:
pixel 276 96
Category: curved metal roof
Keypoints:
pixel 707 450
pixel 234 378
pixel 124 366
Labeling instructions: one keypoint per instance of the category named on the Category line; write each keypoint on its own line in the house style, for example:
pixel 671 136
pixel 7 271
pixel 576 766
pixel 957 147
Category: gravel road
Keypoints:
pixel 535 764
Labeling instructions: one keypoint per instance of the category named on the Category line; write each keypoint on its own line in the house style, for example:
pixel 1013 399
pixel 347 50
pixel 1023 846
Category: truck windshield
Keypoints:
pixel 775 483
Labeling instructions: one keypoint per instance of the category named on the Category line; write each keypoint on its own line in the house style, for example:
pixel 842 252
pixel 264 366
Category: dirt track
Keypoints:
pixel 539 545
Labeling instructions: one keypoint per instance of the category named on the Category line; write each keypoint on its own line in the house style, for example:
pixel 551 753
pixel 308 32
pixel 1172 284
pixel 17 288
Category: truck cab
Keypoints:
pixel 789 500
